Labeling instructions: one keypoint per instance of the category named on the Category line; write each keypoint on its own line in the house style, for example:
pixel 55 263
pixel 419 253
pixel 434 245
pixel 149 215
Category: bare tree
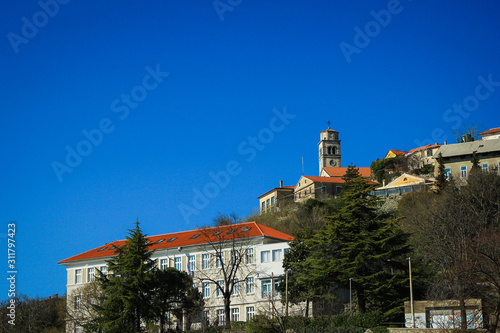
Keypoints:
pixel 231 259
pixel 82 303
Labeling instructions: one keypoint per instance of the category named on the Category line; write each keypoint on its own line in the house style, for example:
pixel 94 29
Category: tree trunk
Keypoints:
pixel 463 315
pixel 361 300
pixel 227 309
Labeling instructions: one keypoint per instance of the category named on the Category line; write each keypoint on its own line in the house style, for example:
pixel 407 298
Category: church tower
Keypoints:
pixel 329 149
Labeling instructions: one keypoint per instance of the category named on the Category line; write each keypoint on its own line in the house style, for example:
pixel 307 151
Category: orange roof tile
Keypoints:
pixel 336 180
pixel 365 172
pixel 423 147
pixel 398 152
pixel 490 131
pixel 187 238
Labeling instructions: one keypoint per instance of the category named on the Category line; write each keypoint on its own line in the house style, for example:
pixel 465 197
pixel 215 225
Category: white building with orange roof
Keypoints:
pixel 422 156
pixel 192 251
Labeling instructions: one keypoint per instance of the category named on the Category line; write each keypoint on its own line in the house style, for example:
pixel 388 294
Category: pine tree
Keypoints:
pixel 441 176
pixel 475 163
pixel 127 289
pixel 359 243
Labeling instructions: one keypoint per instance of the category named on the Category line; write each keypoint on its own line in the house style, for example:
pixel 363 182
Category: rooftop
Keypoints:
pixel 365 172
pixel 187 238
pixel 490 131
pixel 467 148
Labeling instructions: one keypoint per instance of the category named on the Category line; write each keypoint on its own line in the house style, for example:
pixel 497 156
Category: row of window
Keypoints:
pixel 91 271
pixel 265 256
pixel 463 170
pixel 205 260
pixel 267 288
pixel 268 203
pixel 235 315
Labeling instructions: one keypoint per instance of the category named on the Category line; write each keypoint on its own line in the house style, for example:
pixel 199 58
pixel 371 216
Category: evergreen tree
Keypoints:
pixel 360 243
pixel 475 163
pixel 127 289
pixel 441 176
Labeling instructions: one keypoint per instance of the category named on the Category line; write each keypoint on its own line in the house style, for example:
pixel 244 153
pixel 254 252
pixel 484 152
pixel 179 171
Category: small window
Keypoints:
pixel 447 173
pixel 205 261
pixel 221 318
pixel 113 247
pixel 267 203
pixel 246 229
pixel 191 263
pixel 78 276
pixel 159 241
pixel 250 285
pixel 220 287
pixel 90 274
pixel 485 167
pixel 273 201
pixel 220 260
pixel 263 206
pixel 236 288
pixel 217 233
pixel 405 179
pixel 178 263
pixel 323 189
pixel 195 236
pixel 206 289
pixel 249 256
pixel 250 313
pixel 339 189
pixel 232 231
pixel 277 255
pixel 164 264
pixel 172 239
pixel 235 314
pixel 102 249
pixel 104 270
pixel 463 172
pixel 265 256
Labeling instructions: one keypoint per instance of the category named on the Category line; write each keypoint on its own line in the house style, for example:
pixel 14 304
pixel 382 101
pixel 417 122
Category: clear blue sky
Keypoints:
pixel 385 73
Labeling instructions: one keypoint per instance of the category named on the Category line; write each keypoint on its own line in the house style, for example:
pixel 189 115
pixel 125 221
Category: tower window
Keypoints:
pixel 334 150
pixel 329 150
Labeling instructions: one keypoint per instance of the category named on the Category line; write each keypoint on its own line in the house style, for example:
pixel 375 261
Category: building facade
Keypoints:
pixel 255 292
pixel 457 157
pixel 273 199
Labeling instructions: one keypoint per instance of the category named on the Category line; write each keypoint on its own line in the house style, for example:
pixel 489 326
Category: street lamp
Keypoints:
pixel 350 297
pixel 411 297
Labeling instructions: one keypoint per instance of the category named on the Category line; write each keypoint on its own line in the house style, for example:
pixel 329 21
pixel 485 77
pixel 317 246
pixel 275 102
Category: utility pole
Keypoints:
pixel 411 297
pixel 350 296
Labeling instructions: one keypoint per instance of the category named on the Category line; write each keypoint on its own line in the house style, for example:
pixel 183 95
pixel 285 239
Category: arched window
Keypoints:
pixel 329 150
pixel 334 150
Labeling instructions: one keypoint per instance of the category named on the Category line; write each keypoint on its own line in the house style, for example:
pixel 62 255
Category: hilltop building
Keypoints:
pixel 193 252
pixel 457 157
pixel 326 186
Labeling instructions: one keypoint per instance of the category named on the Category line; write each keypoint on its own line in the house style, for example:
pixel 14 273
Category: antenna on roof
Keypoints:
pixel 302 165
pixel 328 124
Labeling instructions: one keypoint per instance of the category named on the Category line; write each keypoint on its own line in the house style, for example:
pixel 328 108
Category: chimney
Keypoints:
pixel 281 183
pixel 445 143
pixel 383 182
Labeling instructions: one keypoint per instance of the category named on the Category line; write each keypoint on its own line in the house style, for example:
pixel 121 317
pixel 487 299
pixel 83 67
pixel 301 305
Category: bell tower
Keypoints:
pixel 329 149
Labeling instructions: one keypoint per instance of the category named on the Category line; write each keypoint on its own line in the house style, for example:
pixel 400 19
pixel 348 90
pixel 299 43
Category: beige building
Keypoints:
pixel 273 199
pixel 421 156
pixel 491 134
pixel 403 184
pixel 319 188
pixel 457 157
pixel 261 248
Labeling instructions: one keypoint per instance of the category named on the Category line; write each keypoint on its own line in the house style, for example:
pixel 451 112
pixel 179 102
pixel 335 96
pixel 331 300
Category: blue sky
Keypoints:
pixel 158 98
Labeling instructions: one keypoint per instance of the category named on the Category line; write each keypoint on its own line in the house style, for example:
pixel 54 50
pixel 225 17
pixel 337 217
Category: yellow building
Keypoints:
pixel 273 199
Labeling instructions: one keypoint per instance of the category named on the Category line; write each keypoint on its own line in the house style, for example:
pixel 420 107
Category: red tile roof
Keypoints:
pixel 277 188
pixel 490 131
pixel 336 180
pixel 424 147
pixel 365 172
pixel 187 238
pixel 398 152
